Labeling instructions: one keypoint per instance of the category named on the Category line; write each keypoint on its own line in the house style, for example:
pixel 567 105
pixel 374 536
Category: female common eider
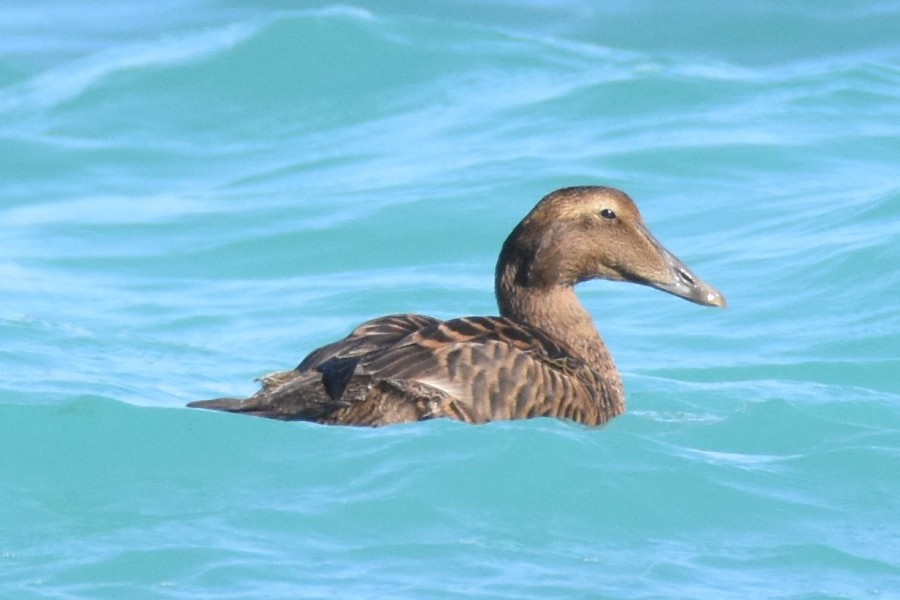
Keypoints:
pixel 542 357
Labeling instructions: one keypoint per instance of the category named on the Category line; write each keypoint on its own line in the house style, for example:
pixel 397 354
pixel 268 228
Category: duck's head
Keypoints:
pixel 581 233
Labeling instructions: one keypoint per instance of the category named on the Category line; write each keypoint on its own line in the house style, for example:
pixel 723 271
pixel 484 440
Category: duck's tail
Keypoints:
pixel 259 405
pixel 286 395
pixel 223 404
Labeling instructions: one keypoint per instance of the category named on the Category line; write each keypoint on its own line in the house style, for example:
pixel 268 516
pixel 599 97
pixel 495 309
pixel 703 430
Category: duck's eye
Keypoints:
pixel 607 213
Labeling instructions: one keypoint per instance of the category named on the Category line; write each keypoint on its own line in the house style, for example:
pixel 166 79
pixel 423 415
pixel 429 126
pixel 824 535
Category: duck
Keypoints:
pixel 541 357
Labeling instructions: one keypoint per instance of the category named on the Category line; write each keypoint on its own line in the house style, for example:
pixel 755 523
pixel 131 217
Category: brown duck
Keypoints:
pixel 542 357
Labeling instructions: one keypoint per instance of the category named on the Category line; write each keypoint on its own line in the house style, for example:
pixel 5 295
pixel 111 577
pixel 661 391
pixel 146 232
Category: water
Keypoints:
pixel 196 193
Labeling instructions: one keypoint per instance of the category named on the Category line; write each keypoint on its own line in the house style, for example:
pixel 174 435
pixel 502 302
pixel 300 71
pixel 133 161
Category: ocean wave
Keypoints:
pixel 64 83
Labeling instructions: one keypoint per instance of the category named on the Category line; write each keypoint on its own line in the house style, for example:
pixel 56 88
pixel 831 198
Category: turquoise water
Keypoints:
pixel 193 194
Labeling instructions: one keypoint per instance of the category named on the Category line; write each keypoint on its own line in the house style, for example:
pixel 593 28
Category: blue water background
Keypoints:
pixel 193 194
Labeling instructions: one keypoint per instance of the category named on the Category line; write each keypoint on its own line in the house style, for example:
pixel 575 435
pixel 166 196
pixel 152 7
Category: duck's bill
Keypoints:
pixel 683 283
pixel 669 274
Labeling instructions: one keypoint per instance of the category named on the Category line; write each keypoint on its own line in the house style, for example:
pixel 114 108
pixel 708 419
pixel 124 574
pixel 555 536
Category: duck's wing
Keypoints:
pixel 369 337
pixel 493 368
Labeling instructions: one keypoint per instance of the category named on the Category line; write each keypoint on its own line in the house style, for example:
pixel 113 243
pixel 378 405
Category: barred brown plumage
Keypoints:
pixel 541 357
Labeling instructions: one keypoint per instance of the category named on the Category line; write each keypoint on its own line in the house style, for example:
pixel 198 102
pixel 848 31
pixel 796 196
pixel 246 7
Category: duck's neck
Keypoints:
pixel 555 310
